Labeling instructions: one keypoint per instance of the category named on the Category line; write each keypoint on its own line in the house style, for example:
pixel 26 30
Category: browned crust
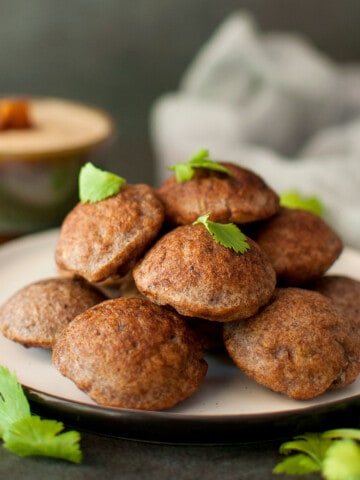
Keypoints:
pixel 241 198
pixel 103 239
pixel 130 353
pixel 345 294
pixel 295 345
pixel 189 271
pixel 301 246
pixel 36 314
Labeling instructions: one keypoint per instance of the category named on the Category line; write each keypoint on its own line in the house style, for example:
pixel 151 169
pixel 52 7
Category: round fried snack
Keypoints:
pixel 101 240
pixel 300 245
pixel 345 293
pixel 36 315
pixel 198 277
pixel 130 353
pixel 241 197
pixel 295 345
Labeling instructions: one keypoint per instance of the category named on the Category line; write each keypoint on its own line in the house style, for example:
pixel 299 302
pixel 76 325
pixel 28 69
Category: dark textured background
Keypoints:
pixel 122 54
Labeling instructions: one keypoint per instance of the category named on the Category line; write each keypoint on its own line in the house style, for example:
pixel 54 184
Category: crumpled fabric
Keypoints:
pixel 272 103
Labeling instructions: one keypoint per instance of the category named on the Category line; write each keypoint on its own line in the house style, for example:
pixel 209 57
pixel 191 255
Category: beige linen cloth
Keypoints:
pixel 273 103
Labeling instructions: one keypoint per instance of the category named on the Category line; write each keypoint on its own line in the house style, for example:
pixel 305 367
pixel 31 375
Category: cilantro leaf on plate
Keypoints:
pixel 293 199
pixel 96 184
pixel 226 234
pixel 186 171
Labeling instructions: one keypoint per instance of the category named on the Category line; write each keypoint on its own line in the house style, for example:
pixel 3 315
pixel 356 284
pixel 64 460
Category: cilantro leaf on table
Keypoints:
pixel 311 445
pixel 334 453
pixel 96 184
pixel 352 433
pixel 226 234
pixel 36 436
pixel 24 434
pixel 299 464
pixel 13 403
pixel 186 171
pixel 342 461
pixel 293 199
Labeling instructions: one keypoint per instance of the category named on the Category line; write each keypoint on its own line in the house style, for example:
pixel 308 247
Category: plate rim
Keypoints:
pixel 138 424
pixel 173 428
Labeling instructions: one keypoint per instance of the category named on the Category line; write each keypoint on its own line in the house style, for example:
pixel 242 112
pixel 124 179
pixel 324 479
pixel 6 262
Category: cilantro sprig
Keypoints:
pixel 186 171
pixel 226 234
pixel 334 453
pixel 25 434
pixel 293 199
pixel 96 184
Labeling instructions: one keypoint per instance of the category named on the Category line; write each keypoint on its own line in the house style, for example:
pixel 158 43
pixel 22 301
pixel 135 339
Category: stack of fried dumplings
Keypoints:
pixel 143 294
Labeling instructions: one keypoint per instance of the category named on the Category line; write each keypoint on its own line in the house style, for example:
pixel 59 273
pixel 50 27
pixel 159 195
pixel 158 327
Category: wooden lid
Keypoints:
pixel 58 127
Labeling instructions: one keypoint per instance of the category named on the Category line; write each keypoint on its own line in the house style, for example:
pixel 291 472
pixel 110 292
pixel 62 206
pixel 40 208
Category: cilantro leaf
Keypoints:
pixel 36 436
pixel 299 464
pixel 334 453
pixel 342 461
pixel 294 199
pixel 312 444
pixel 186 171
pixel 226 234
pixel 25 434
pixel 96 184
pixel 352 433
pixel 13 402
pixel 183 171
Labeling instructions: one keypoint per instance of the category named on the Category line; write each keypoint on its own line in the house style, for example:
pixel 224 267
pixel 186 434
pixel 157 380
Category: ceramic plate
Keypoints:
pixel 228 407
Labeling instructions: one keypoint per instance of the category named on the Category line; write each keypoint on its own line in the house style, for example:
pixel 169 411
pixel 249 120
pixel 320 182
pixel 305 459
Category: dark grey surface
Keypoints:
pixel 111 458
pixel 122 54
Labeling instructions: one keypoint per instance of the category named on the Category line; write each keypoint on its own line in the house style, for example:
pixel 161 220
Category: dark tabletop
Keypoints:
pixel 110 458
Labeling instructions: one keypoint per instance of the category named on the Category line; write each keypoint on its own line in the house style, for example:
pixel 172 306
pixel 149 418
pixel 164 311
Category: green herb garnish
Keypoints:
pixel 335 454
pixel 96 184
pixel 294 199
pixel 226 234
pixel 25 434
pixel 186 171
